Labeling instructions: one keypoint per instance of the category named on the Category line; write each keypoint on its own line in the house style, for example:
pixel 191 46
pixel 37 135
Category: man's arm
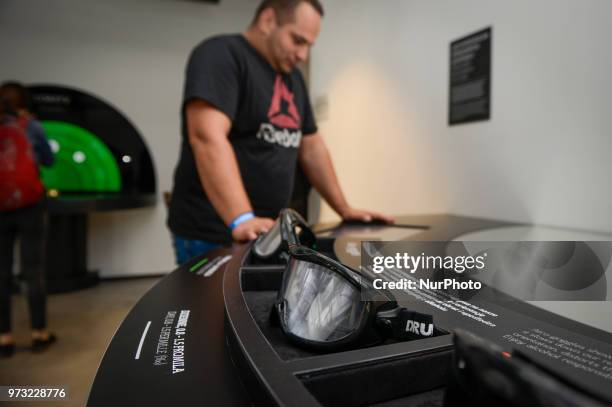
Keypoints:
pixel 208 129
pixel 317 165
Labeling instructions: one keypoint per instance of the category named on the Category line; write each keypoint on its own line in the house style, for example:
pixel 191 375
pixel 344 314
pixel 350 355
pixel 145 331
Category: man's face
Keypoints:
pixel 290 42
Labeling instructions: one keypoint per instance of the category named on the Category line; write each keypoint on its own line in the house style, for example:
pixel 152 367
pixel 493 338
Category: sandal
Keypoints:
pixel 40 345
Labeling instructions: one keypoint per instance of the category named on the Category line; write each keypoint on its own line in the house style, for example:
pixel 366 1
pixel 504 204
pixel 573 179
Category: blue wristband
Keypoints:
pixel 241 219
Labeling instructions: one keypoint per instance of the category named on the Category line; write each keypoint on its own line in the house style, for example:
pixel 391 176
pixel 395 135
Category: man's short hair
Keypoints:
pixel 284 8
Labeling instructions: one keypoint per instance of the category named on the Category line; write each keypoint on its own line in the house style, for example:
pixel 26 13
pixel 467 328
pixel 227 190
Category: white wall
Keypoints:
pixel 544 155
pixel 131 53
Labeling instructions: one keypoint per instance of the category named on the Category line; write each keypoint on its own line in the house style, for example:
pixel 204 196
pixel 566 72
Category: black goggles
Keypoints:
pixel 324 305
pixel 289 229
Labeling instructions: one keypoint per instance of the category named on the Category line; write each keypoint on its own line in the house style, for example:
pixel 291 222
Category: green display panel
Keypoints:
pixel 82 161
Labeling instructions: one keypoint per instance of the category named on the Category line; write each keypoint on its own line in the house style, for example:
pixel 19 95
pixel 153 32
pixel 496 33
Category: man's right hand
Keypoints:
pixel 250 229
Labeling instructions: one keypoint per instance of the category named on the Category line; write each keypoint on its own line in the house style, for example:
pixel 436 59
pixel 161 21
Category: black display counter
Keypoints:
pixel 66 248
pixel 201 336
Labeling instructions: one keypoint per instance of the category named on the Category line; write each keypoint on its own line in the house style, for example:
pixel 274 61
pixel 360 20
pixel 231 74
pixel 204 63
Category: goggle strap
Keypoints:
pixel 274 318
pixel 404 324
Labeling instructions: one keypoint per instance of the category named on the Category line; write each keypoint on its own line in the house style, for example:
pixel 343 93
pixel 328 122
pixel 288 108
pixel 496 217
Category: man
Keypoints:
pixel 247 121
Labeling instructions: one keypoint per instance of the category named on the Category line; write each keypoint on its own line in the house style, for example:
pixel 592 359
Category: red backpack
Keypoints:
pixel 20 183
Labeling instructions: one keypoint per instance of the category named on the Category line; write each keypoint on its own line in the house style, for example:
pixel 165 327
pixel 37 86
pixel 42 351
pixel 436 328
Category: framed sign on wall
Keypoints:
pixel 469 96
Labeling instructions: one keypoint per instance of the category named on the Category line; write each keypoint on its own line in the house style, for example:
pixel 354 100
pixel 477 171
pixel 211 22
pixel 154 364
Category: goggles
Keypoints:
pixel 325 305
pixel 289 229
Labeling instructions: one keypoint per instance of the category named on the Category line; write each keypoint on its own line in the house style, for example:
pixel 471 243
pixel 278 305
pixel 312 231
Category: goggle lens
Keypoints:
pixel 270 242
pixel 318 304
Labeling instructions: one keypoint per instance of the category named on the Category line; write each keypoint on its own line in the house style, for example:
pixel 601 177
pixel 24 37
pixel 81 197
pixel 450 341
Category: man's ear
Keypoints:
pixel 267 21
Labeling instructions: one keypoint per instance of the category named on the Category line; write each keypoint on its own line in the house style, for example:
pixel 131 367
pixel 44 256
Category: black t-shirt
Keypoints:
pixel 270 112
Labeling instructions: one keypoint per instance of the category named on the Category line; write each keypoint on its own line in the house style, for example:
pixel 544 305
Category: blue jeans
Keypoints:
pixel 185 249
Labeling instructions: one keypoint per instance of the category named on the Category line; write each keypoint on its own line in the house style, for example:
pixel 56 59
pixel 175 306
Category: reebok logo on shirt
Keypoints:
pixel 282 111
pixel 283 114
pixel 283 137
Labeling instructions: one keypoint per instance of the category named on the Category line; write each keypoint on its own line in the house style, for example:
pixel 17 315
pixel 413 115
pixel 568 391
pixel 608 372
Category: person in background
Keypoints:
pixel 16 98
pixel 23 147
pixel 246 123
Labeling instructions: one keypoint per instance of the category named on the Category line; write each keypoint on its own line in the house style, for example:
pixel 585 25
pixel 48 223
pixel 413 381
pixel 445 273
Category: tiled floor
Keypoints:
pixel 84 322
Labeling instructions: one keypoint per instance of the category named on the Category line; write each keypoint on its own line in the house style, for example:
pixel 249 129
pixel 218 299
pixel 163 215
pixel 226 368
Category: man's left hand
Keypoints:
pixel 366 216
